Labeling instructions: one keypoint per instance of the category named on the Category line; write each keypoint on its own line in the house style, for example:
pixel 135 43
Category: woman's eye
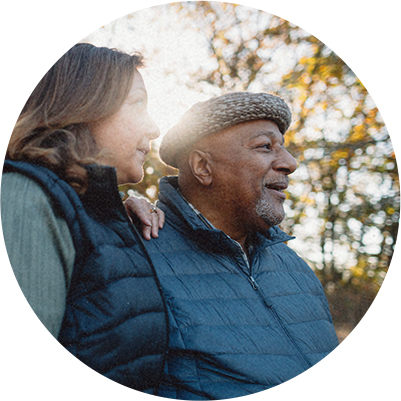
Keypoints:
pixel 138 102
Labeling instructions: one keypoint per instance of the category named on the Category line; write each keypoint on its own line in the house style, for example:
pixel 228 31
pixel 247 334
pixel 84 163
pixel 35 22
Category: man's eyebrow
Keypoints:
pixel 264 133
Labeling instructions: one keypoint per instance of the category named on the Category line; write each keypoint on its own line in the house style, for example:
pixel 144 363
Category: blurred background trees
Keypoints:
pixel 343 200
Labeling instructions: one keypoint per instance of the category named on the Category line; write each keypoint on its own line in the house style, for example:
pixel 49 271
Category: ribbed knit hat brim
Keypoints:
pixel 218 113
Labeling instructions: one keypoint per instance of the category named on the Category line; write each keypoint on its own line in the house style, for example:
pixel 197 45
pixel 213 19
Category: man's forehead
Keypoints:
pixel 267 133
pixel 241 134
pixel 253 129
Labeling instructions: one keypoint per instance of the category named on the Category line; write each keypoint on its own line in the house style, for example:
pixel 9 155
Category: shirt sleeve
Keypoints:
pixel 39 246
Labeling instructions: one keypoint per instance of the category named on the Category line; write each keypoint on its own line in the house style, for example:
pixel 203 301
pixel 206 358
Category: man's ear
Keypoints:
pixel 199 163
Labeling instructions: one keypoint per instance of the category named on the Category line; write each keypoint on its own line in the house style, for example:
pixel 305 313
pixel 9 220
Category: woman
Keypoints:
pixel 78 258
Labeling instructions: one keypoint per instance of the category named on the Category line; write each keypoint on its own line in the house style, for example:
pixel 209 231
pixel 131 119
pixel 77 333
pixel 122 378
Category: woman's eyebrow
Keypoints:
pixel 138 93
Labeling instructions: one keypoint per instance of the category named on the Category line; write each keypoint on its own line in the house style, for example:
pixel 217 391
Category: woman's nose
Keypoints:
pixel 151 129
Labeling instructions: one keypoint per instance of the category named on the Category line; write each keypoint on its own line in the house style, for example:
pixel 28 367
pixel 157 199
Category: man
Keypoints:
pixel 245 312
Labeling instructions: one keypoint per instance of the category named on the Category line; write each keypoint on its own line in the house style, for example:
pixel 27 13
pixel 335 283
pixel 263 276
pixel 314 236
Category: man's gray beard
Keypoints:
pixel 270 216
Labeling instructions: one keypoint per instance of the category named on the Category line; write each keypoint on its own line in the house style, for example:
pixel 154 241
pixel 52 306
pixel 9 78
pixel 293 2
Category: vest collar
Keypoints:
pixel 102 194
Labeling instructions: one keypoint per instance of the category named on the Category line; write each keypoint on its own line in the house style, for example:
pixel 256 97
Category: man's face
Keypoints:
pixel 250 168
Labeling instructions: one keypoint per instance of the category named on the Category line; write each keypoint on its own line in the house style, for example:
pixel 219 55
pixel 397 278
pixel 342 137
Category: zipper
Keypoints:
pixel 306 364
pixel 256 287
pixel 254 284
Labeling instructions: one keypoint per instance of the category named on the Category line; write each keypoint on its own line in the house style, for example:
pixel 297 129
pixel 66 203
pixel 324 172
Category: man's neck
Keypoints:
pixel 216 215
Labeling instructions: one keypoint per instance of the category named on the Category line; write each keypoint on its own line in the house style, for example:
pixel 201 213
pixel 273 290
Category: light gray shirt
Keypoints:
pixel 39 246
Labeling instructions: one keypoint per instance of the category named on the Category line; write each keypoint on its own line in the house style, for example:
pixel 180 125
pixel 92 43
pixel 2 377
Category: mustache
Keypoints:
pixel 278 181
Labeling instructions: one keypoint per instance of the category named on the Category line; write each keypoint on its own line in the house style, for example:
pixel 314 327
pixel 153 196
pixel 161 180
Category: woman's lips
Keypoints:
pixel 143 153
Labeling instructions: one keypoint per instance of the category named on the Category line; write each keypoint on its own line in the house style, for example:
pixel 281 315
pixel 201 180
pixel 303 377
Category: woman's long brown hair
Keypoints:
pixel 86 85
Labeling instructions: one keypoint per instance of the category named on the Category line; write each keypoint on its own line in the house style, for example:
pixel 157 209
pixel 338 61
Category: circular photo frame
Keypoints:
pixel 342 202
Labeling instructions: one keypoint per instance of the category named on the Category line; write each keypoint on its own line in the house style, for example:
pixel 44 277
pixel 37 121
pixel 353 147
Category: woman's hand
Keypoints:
pixel 151 217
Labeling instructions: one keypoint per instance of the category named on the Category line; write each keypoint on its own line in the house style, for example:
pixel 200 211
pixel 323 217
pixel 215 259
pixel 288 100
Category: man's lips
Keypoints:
pixel 277 188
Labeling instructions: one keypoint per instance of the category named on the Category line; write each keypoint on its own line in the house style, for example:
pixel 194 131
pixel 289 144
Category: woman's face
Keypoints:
pixel 125 136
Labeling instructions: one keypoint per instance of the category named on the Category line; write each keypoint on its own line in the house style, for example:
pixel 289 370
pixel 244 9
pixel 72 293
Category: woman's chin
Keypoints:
pixel 137 177
pixel 134 177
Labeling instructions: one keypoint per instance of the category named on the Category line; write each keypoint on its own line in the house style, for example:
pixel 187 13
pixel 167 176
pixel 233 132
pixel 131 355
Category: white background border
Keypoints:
pixel 364 34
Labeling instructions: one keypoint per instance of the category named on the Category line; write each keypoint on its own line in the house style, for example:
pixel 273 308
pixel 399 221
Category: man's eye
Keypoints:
pixel 267 146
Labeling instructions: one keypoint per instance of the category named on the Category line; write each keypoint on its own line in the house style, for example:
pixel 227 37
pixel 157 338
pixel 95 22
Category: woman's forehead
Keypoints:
pixel 137 86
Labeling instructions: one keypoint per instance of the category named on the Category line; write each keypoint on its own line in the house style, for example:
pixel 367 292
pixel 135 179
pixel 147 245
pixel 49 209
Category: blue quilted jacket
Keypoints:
pixel 235 328
pixel 115 319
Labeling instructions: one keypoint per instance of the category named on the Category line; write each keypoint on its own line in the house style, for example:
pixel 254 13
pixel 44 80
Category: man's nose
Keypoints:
pixel 286 162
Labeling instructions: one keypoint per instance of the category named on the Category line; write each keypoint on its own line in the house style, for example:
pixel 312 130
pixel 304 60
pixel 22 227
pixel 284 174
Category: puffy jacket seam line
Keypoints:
pixel 214 299
pixel 196 362
pixel 119 246
pixel 94 291
pixel 198 377
pixel 307 321
pixel 102 330
pixel 317 294
pixel 241 381
pixel 259 273
pixel 319 352
pixel 244 298
pixel 224 325
pixel 287 272
pixel 133 361
pixel 256 353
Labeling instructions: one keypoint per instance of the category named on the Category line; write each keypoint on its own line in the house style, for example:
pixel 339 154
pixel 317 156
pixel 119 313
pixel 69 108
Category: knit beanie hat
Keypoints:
pixel 215 114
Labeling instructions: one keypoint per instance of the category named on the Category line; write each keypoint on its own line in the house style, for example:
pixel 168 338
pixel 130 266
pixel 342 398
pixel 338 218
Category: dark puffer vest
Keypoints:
pixel 115 319
pixel 236 326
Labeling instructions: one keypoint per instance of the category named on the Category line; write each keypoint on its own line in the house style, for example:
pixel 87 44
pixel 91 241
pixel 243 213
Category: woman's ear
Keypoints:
pixel 199 162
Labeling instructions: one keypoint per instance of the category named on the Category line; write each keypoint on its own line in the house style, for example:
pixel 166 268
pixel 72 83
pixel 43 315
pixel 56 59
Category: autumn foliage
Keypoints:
pixel 343 201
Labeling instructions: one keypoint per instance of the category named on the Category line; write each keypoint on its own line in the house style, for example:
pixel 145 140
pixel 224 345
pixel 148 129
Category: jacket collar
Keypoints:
pixel 185 219
pixel 102 195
